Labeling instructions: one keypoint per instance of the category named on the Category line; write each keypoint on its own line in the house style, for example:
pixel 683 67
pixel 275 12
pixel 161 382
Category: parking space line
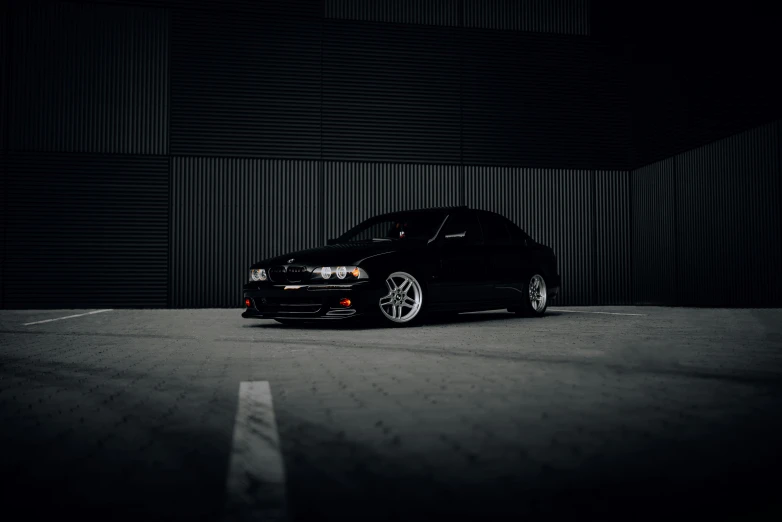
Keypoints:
pixel 67 317
pixel 586 312
pixel 255 486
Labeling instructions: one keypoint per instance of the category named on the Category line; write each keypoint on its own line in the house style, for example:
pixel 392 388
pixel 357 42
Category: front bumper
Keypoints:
pixel 305 301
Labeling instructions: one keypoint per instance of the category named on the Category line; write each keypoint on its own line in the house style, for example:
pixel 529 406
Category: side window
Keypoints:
pixel 495 231
pixel 466 222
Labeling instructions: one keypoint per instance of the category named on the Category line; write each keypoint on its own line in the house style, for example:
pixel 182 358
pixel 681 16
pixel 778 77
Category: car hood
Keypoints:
pixel 342 254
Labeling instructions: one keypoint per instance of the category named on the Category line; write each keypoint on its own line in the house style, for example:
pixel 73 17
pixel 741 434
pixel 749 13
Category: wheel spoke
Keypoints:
pixel 405 286
pixel 410 300
pixel 385 301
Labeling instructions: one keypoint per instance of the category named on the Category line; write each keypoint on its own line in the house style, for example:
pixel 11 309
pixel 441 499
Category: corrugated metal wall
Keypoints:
pixel 542 101
pixel 553 207
pixel 228 213
pixel 357 191
pixel 86 231
pixel 226 131
pixel 728 221
pixel 654 258
pixel 429 12
pixel 245 85
pixel 611 246
pixel 89 78
pixel 707 224
pixel 543 16
pixel 390 93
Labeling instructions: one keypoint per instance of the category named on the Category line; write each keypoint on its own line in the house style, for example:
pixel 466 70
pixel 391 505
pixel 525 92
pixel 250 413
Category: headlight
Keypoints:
pixel 258 274
pixel 343 272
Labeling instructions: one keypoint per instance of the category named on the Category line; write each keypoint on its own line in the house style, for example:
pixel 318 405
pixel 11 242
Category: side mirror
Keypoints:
pixel 455 236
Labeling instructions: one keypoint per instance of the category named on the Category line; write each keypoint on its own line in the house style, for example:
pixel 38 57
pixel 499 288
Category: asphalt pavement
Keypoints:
pixel 631 413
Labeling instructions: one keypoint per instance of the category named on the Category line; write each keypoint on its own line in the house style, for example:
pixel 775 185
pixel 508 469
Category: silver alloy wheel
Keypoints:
pixel 404 298
pixel 537 293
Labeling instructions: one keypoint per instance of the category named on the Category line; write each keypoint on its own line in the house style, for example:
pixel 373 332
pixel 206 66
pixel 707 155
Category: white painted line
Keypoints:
pixel 67 317
pixel 255 487
pixel 585 312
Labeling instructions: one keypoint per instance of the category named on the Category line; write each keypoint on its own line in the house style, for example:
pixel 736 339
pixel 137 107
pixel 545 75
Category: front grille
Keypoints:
pixel 296 273
pixel 293 274
pixel 277 274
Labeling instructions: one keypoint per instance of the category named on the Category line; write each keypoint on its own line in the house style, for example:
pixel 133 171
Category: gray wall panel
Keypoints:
pixel 546 101
pixel 228 213
pixel 390 93
pixel 245 85
pixel 89 78
pixel 654 234
pixel 728 221
pixel 612 237
pixel 429 12
pixel 552 206
pixel 541 16
pixel 357 191
pixel 86 231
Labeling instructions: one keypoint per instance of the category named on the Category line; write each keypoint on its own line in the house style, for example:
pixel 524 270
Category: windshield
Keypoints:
pixel 397 226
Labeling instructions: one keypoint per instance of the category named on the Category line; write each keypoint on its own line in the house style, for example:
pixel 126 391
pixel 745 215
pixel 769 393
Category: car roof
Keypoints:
pixel 429 209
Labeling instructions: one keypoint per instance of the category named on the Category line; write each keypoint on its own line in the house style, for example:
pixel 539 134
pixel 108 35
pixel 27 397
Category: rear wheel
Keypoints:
pixel 403 303
pixel 535 299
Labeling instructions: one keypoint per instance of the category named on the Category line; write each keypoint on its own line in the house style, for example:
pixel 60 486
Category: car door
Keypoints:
pixel 504 257
pixel 461 279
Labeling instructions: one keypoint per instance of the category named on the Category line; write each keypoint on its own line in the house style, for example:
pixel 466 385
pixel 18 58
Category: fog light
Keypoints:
pixel 248 303
pixel 344 302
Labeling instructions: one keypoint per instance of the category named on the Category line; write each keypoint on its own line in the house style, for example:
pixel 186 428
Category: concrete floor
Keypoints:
pixel 130 414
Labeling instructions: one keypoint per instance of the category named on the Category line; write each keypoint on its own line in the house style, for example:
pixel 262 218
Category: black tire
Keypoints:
pixel 534 301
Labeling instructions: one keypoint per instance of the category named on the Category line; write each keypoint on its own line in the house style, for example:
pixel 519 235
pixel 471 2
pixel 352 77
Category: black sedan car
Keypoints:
pixel 404 265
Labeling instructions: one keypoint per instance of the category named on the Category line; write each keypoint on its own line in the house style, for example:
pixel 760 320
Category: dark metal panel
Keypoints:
pixel 3 204
pixel 4 39
pixel 229 213
pixel 429 12
pixel 390 93
pixel 297 8
pixel 537 100
pixel 245 85
pixel 357 191
pixel 542 16
pixel 728 233
pixel 612 237
pixel 553 207
pixel 89 78
pixel 86 231
pixel 654 234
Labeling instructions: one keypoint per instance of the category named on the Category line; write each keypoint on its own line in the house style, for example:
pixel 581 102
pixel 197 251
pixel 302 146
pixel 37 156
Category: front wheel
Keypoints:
pixel 535 300
pixel 403 303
